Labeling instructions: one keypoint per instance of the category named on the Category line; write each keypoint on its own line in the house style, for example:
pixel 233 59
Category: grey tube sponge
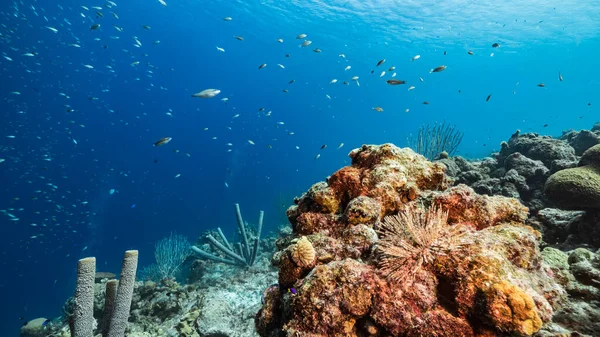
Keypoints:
pixel 120 315
pixel 83 315
pixel 109 305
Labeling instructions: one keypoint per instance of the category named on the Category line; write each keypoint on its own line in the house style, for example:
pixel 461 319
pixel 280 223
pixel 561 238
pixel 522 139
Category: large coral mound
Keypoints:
pixel 493 283
pixel 578 187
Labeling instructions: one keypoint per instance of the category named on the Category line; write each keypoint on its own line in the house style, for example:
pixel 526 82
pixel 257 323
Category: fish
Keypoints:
pixel 162 2
pixel 382 74
pixel 207 93
pixel 378 109
pixel 470 52
pixel 306 43
pixel 301 36
pixel 495 45
pixel 380 62
pixel 327 96
pixel 347 68
pixel 318 156
pixel 227 18
pixel 488 98
pixel 416 57
pixel 560 78
pixel 392 68
pixel 280 40
pixel 292 291
pixel 395 82
pixel 44 323
pixel 426 103
pixel 95 26
pixel 342 56
pixel 317 50
pixel 280 65
pixel 412 87
pixel 438 69
pixel 340 146
pixel 333 81
pixel 250 142
pixel 221 49
pixel 239 38
pixel 291 81
pixel 323 146
pixel 541 85
pixel 262 66
pixel 52 29
pixel 421 79
pixel 163 141
pixel 2 160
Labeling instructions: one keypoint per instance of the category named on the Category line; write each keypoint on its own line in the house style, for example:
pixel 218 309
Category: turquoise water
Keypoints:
pixel 81 110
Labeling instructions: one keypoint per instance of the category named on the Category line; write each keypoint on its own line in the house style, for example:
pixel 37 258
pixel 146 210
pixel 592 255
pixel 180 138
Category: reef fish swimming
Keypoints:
pixel 163 141
pixel 207 93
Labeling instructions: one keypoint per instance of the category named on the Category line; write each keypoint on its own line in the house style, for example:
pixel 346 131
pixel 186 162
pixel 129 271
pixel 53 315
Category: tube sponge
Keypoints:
pixel 83 315
pixel 109 305
pixel 120 314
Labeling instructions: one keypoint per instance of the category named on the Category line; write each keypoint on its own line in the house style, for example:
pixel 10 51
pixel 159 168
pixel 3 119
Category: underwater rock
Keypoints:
pixel 578 271
pixel 495 283
pixel 478 211
pixel 559 227
pixel 579 187
pixel 525 167
pixel 384 175
pixel 362 210
pixel 582 140
pixel 34 328
pixel 543 148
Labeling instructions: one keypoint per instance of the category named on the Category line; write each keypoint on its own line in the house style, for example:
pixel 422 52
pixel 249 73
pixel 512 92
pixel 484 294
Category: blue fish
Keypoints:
pixel 46 322
pixel 133 206
pixel 292 291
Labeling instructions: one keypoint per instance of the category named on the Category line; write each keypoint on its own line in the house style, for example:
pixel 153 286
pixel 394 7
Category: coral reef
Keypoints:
pixel 493 283
pixel 522 170
pixel 220 300
pixel 396 245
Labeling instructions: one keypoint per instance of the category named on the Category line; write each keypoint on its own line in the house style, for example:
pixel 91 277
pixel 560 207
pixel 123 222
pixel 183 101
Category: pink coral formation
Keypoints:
pixel 494 283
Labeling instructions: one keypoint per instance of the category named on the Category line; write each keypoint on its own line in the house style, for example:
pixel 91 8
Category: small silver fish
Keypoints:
pixel 163 141
pixel 207 93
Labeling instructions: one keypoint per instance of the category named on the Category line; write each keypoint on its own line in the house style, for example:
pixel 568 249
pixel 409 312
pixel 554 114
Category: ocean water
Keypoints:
pixel 81 108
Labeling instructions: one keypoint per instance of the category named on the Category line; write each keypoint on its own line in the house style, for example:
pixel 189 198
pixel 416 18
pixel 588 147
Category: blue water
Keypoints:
pixel 61 164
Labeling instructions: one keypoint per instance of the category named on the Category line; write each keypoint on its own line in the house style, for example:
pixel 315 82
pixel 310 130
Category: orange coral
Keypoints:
pixel 511 309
